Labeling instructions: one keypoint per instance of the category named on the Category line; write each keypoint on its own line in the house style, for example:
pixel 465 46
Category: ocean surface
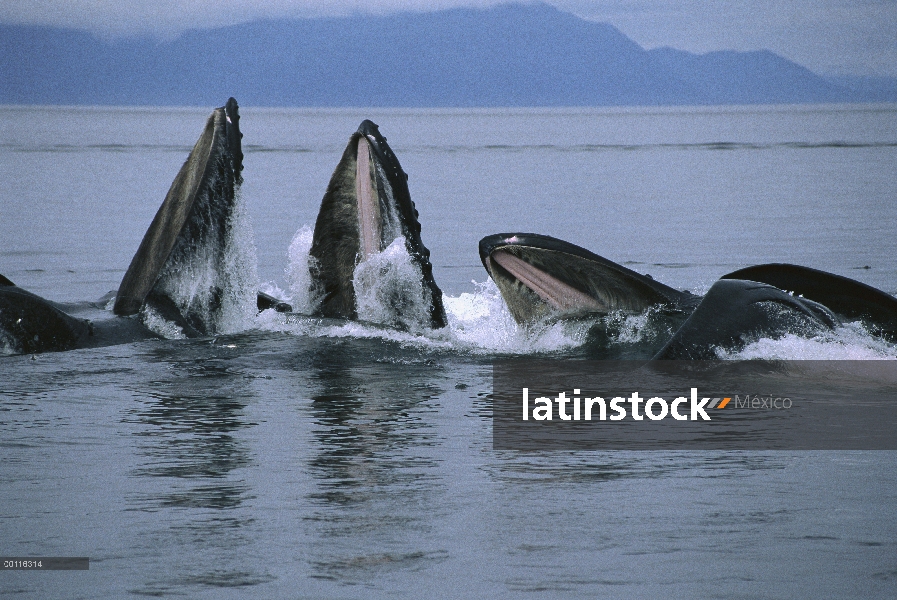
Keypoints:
pixel 303 458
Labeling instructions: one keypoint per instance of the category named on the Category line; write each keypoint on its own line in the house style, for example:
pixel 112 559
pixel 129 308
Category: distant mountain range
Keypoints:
pixel 509 55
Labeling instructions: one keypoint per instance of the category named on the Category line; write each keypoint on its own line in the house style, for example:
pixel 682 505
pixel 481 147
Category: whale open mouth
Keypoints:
pixel 540 276
pixel 366 208
pixel 179 265
pixel 370 231
pixel 556 293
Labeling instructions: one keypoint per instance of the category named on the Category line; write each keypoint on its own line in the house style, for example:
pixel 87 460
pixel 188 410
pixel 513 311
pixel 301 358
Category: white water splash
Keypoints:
pixel 218 284
pixel 303 297
pixel 481 322
pixel 8 345
pixel 388 290
pixel 478 323
pixel 159 325
pixel 631 329
pixel 848 342
pixel 272 289
pixel 240 281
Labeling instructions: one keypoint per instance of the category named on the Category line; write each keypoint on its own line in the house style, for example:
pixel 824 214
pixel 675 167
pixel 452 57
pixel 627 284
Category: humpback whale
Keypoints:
pixel 736 312
pixel 773 299
pixel 178 270
pixel 29 324
pixel 543 278
pixel 366 208
pixel 849 298
pixel 194 220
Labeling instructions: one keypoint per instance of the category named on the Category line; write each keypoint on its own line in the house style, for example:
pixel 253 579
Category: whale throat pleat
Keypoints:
pixel 553 291
pixel 369 218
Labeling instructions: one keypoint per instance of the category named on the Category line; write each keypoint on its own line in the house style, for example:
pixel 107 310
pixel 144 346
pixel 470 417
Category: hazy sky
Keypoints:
pixel 828 36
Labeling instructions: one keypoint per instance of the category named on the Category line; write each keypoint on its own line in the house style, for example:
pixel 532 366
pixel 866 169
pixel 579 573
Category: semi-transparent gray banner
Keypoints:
pixel 701 405
pixel 45 563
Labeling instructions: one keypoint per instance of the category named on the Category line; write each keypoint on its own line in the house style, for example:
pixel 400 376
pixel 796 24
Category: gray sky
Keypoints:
pixel 828 36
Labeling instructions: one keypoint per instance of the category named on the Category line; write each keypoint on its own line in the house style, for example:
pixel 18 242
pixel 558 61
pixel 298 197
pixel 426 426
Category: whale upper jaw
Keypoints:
pixel 541 277
pixel 366 207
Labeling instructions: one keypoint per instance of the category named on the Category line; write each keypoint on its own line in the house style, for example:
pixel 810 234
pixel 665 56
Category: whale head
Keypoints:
pixel 367 207
pixel 542 277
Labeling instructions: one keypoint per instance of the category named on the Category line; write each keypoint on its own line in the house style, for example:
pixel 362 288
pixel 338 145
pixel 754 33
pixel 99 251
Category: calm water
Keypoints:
pixel 298 458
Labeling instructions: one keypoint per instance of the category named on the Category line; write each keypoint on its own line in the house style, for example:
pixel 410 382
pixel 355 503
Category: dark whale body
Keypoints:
pixel 736 312
pixel 849 298
pixel 542 277
pixel 194 218
pixel 29 324
pixel 367 205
